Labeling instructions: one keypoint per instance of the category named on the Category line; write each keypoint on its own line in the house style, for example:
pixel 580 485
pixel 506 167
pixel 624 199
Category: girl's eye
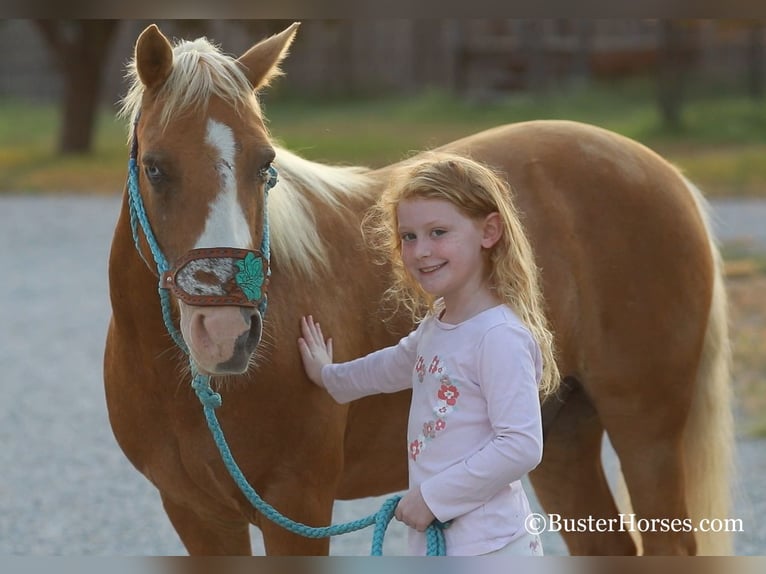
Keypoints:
pixel 408 237
pixel 438 232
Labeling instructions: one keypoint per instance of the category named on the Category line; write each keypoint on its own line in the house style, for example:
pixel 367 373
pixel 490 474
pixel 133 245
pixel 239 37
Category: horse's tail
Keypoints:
pixel 708 441
pixel 709 434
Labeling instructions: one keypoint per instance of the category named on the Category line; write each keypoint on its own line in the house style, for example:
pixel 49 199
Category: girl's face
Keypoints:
pixel 442 247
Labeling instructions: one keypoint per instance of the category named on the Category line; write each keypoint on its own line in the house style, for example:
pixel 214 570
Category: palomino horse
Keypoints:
pixel 632 282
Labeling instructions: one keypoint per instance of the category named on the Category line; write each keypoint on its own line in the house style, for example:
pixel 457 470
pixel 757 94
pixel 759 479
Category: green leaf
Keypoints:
pixel 250 277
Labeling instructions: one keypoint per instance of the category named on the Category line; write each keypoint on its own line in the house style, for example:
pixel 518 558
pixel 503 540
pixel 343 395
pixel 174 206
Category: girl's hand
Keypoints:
pixel 413 511
pixel 315 351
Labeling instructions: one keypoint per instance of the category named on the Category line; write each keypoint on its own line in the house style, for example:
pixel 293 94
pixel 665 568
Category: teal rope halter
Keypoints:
pixel 210 400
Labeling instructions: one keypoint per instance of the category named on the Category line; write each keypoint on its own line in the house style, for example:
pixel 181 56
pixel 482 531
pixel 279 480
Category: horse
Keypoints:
pixel 632 281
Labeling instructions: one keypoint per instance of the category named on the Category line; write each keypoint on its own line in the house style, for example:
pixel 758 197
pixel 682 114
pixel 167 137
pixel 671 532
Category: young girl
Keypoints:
pixel 477 362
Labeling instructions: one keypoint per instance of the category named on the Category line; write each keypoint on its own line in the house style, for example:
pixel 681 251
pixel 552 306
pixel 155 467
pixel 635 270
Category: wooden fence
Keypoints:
pixel 332 57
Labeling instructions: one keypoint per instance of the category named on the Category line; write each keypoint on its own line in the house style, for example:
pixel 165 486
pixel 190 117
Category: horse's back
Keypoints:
pixel 599 208
pixel 582 173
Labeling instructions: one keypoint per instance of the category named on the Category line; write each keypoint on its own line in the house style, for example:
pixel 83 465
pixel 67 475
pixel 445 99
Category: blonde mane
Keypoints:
pixel 294 238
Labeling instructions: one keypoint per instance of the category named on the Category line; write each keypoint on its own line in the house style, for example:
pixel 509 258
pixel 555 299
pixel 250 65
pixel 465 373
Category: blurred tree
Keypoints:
pixel 585 32
pixel 80 49
pixel 755 59
pixel 671 75
pixel 533 51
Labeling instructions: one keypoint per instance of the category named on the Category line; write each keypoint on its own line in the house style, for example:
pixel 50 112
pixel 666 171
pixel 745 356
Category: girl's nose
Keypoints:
pixel 422 249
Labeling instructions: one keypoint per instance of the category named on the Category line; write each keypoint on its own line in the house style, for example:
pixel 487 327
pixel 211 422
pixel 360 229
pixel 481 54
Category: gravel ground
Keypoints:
pixel 65 487
pixel 740 221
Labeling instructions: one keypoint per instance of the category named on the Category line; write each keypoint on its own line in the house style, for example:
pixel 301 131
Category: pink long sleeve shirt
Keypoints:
pixel 474 426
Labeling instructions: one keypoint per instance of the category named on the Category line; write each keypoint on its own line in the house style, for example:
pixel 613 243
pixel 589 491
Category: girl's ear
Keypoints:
pixel 492 230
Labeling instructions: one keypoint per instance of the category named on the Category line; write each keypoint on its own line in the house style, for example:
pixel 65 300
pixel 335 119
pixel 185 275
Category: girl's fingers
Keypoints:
pixel 307 326
pixel 313 327
pixel 312 332
pixel 306 330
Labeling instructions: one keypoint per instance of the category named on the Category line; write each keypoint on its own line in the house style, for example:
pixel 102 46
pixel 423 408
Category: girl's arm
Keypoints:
pixel 385 371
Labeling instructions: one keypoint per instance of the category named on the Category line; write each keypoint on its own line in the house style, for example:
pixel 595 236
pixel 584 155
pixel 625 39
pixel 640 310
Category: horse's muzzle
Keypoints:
pixel 221 339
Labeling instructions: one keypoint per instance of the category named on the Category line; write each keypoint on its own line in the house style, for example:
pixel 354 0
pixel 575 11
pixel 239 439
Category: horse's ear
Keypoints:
pixel 261 62
pixel 154 57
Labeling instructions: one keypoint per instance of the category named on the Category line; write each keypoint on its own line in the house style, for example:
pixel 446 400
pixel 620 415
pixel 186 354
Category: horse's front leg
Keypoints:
pixel 203 534
pixel 304 503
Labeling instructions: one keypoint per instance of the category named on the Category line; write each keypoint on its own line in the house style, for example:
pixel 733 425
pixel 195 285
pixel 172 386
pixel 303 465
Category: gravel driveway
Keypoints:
pixel 65 487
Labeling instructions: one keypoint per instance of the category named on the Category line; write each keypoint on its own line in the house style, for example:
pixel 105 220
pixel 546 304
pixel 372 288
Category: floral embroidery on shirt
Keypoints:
pixel 449 394
pixel 415 447
pixel 445 398
pixel 420 368
pixel 443 410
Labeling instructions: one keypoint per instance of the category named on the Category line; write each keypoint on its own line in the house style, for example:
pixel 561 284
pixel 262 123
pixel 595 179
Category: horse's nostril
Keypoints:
pixel 243 347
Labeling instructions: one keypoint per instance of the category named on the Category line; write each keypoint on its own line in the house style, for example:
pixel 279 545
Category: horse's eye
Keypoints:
pixel 268 175
pixel 263 173
pixel 153 172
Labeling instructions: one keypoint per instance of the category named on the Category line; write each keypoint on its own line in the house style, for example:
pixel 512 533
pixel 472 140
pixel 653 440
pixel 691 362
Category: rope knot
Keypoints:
pixel 206 395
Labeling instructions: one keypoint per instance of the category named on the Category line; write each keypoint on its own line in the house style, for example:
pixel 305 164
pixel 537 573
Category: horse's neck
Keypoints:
pixel 132 284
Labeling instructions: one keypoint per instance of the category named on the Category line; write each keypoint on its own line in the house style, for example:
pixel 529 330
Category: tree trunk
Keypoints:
pixel 670 73
pixel 585 30
pixel 537 76
pixel 755 61
pixel 80 49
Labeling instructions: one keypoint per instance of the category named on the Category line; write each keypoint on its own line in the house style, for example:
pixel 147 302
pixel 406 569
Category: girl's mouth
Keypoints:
pixel 432 268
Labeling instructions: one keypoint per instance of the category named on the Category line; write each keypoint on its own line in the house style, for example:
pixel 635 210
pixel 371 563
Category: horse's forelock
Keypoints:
pixel 200 71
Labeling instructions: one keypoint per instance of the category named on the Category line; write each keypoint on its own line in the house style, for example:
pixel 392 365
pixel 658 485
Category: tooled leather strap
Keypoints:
pixel 218 276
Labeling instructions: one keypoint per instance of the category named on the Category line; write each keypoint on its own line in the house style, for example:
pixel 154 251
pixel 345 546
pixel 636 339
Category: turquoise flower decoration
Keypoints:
pixel 250 277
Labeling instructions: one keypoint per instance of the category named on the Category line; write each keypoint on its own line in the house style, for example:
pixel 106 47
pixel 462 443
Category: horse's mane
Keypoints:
pixel 201 71
pixel 294 236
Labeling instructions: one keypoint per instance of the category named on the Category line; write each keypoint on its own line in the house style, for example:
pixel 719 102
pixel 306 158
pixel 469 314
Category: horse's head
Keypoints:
pixel 201 172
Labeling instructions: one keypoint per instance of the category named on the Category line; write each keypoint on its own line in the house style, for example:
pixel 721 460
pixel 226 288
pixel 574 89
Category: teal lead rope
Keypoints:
pixel 435 544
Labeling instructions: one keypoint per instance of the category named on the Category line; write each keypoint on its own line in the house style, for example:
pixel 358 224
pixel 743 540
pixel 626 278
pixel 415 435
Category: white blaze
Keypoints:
pixel 226 225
